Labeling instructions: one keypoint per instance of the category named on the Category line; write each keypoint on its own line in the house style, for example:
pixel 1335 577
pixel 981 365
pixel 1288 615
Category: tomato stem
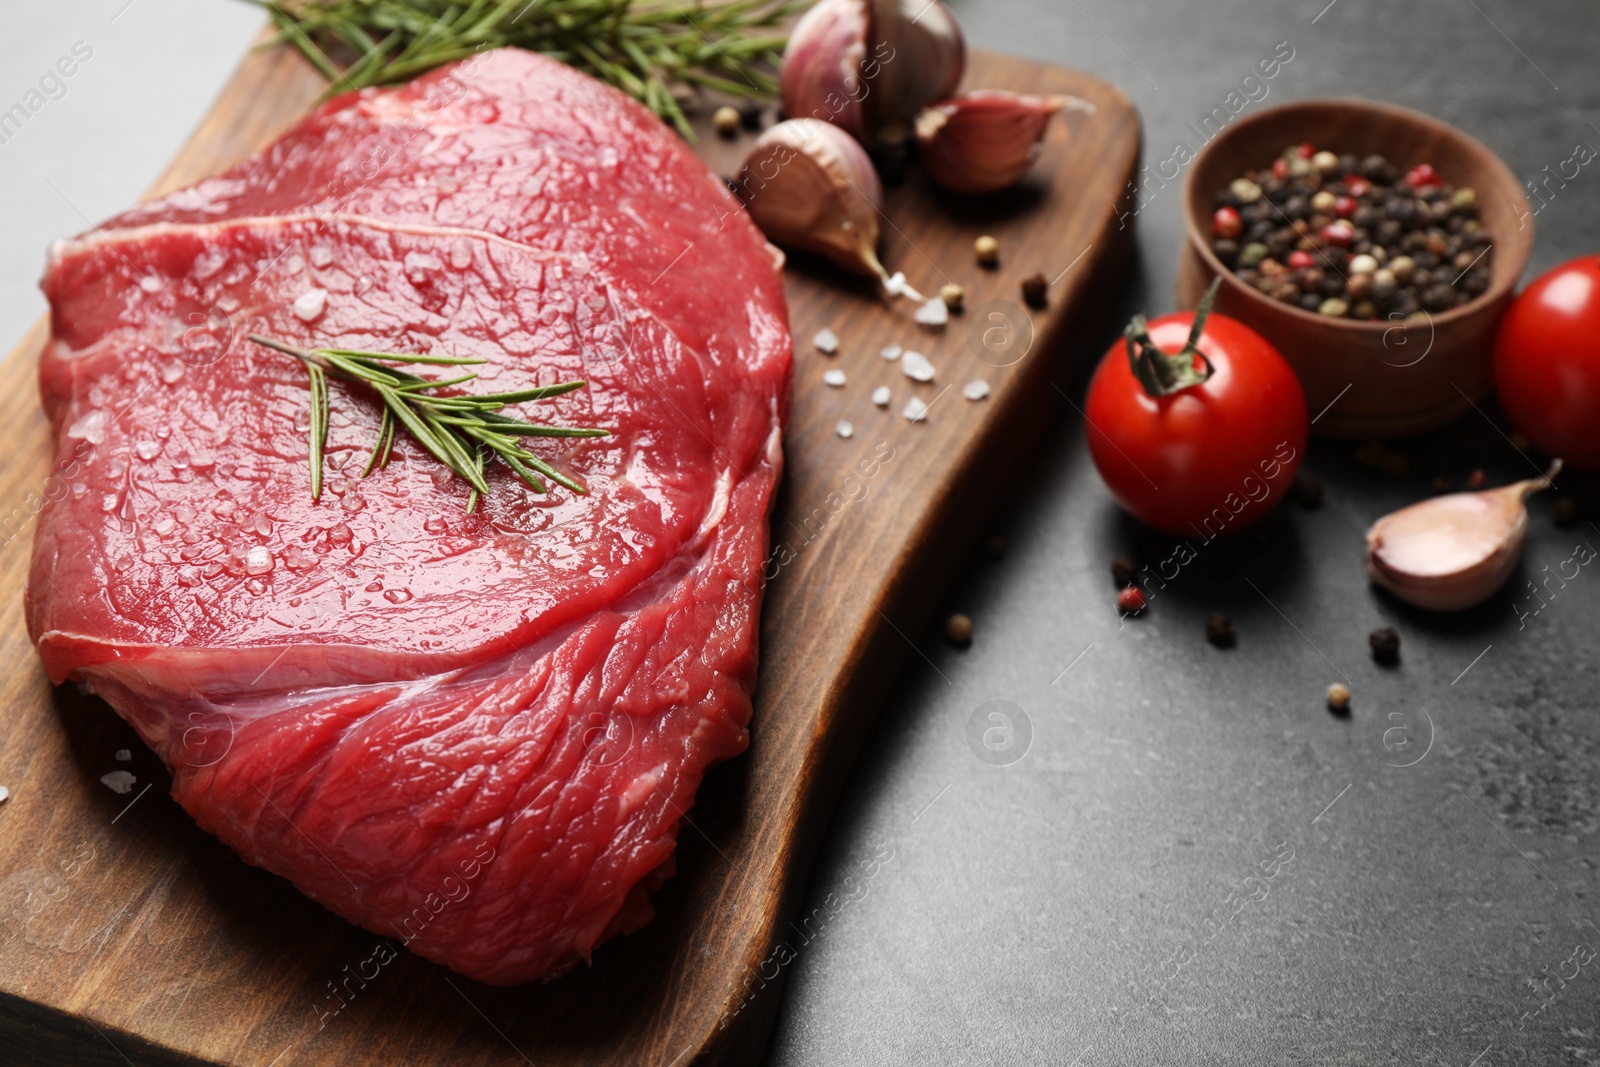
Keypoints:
pixel 1162 373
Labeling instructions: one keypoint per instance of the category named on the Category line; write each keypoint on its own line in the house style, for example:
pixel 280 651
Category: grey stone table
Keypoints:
pixel 1088 904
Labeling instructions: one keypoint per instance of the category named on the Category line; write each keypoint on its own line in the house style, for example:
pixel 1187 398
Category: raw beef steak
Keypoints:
pixel 479 732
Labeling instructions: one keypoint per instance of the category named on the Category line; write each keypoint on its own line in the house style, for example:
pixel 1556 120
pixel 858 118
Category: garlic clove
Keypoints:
pixel 810 185
pixel 984 141
pixel 821 75
pixel 1453 551
pixel 917 55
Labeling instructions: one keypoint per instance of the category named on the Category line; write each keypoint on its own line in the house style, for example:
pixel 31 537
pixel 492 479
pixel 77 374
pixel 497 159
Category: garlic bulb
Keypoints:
pixel 984 141
pixel 1453 551
pixel 923 56
pixel 810 185
pixel 868 66
pixel 821 73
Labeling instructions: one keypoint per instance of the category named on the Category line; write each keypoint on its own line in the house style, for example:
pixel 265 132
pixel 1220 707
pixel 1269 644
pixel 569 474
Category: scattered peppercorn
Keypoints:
pixel 958 630
pixel 1219 631
pixel 987 249
pixel 1339 698
pixel 1036 291
pixel 1123 570
pixel 725 120
pixel 1385 643
pixel 1476 479
pixel 1307 491
pixel 1564 510
pixel 952 295
pixel 750 114
pixel 1351 238
pixel 1131 600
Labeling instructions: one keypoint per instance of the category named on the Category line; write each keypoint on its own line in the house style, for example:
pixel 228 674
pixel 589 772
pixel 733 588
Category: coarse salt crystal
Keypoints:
pixel 915 365
pixel 118 781
pixel 846 428
pixel 834 377
pixel 150 283
pixel 310 304
pixel 5 794
pixel 976 389
pixel 934 312
pixel 895 284
pixel 124 755
pixel 915 410
pixel 826 341
pixel 890 352
pixel 880 396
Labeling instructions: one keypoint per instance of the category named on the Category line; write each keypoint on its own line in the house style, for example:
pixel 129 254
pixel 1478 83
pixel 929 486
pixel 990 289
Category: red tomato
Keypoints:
pixel 1547 362
pixel 1203 458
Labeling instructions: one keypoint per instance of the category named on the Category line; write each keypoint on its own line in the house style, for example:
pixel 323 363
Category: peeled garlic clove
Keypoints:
pixel 821 76
pixel 917 55
pixel 985 141
pixel 810 185
pixel 1453 551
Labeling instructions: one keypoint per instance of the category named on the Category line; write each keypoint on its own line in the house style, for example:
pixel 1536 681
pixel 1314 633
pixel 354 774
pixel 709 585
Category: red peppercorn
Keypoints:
pixel 1280 168
pixel 1421 175
pixel 1131 600
pixel 1358 185
pixel 1307 150
pixel 1339 232
pixel 1226 223
pixel 1301 260
pixel 1345 206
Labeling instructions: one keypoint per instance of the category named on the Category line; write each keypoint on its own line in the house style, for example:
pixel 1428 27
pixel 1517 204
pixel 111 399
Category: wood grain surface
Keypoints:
pixel 130 936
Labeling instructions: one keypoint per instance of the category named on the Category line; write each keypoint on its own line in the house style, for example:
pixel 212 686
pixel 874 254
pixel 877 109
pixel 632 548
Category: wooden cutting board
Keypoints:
pixel 132 937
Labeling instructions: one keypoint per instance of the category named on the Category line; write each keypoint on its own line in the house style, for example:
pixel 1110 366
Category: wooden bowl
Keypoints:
pixel 1367 379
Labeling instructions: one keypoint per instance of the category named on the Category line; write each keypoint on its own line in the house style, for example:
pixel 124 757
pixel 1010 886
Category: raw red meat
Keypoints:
pixel 478 733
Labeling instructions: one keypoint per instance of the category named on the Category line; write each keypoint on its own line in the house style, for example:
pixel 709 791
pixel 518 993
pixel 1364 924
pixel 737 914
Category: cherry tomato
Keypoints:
pixel 1193 453
pixel 1547 362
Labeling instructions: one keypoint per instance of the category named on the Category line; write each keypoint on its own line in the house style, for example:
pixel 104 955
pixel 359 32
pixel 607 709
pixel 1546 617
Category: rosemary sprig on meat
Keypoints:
pixel 649 50
pixel 465 433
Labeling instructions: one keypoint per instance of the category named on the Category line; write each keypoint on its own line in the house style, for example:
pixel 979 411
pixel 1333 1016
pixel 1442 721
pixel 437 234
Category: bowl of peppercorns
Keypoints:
pixel 1373 246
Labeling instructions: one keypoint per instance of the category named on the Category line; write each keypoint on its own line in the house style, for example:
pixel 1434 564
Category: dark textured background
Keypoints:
pixel 1029 911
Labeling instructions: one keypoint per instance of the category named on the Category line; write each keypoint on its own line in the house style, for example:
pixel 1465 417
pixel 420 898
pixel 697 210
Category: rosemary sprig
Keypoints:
pixel 465 433
pixel 648 49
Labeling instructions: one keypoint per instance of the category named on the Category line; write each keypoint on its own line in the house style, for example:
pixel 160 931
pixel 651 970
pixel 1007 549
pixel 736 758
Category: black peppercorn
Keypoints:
pixel 1306 491
pixel 750 115
pixel 1385 643
pixel 1219 630
pixel 1036 291
pixel 1123 570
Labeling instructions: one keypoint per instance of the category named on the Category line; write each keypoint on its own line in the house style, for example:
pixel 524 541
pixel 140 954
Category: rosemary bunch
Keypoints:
pixel 465 433
pixel 650 50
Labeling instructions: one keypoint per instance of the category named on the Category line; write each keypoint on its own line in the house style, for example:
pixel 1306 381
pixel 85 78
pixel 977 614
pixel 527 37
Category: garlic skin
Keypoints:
pixel 1454 551
pixel 810 185
pixel 869 66
pixel 821 73
pixel 983 141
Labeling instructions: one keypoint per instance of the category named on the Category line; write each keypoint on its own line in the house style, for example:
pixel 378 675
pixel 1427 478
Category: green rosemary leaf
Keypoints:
pixel 380 449
pixel 651 50
pixel 464 432
pixel 319 425
pixel 406 357
pixel 543 392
